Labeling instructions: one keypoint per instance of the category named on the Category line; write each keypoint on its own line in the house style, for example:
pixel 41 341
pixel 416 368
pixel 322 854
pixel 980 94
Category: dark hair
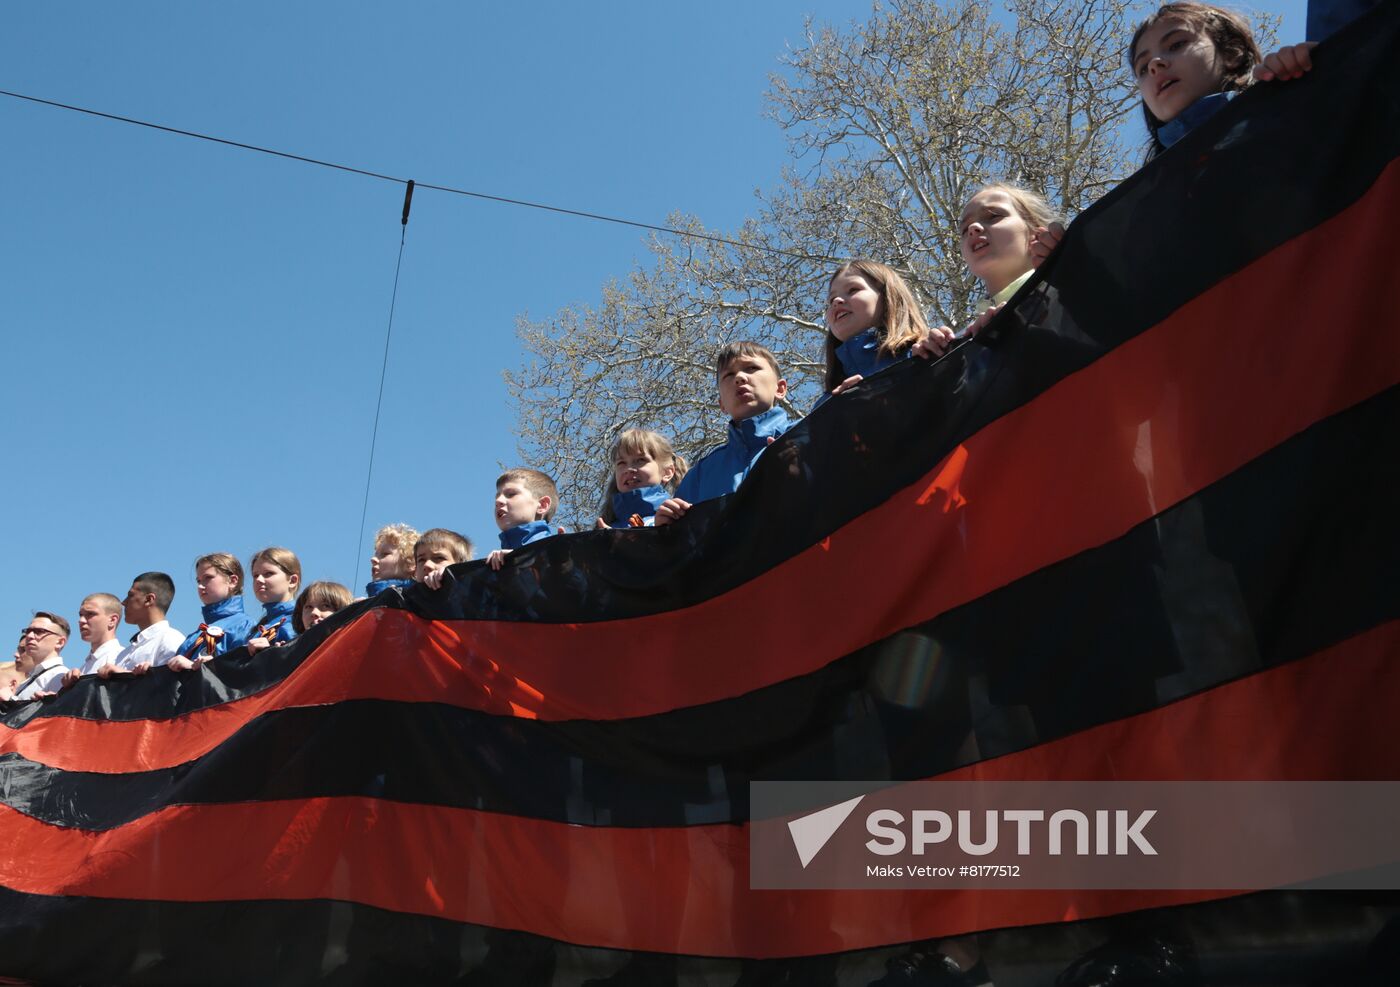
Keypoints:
pixel 54 618
pixel 1228 32
pixel 161 585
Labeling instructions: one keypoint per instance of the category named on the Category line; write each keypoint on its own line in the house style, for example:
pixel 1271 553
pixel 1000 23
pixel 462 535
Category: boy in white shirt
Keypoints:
pixel 38 657
pixel 98 617
pixel 155 641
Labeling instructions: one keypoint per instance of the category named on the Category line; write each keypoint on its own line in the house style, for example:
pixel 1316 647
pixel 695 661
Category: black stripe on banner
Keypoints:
pixel 1276 938
pixel 1292 544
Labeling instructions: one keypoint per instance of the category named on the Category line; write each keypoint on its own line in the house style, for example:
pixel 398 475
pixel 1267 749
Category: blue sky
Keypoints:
pixel 193 333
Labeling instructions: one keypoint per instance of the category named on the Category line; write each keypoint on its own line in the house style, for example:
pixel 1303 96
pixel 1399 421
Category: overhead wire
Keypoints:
pixel 505 200
pixel 383 372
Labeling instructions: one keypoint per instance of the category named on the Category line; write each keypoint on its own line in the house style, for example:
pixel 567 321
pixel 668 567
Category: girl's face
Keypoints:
pixel 995 241
pixel 214 586
pixel 271 584
pixel 634 470
pixel 853 305
pixel 1175 65
pixel 313 613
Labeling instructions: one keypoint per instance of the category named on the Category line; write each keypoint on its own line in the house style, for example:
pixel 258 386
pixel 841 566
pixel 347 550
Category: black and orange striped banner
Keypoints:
pixel 1143 528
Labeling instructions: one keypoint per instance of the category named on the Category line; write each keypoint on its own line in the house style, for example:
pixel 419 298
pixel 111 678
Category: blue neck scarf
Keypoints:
pixel 524 534
pixel 224 608
pixel 643 501
pixel 861 354
pixel 1192 117
pixel 377 586
pixel 753 433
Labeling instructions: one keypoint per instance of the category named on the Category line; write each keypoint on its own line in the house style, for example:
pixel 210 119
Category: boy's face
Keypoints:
pixel 41 640
pixel 748 386
pixel 95 623
pixel 516 505
pixel 137 605
pixel 427 559
pixel 388 561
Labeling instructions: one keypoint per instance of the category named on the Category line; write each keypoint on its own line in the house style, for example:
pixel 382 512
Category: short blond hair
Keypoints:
pixel 540 485
pixel 106 602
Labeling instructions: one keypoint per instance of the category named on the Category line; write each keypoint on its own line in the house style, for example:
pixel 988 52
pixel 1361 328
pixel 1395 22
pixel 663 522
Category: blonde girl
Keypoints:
pixel 645 472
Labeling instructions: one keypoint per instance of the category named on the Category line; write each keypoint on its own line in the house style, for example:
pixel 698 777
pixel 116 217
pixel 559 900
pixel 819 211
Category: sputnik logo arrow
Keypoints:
pixel 811 832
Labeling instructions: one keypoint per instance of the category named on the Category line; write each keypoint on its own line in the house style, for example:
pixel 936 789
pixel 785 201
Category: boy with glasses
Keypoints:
pixel 37 658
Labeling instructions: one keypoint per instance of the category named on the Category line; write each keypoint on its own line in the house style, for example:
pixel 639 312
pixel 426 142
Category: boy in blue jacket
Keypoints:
pixel 750 387
pixel 525 502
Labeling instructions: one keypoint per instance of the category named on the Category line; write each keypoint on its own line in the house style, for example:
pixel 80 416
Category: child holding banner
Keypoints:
pixel 645 472
pixel 218 578
pixel 276 576
pixel 872 322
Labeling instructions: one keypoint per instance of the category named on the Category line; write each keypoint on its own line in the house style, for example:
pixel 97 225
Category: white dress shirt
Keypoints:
pixel 104 655
pixel 46 678
pixel 156 644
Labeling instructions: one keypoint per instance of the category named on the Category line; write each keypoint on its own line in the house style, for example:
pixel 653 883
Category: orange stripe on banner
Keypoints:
pixel 1329 716
pixel 1208 389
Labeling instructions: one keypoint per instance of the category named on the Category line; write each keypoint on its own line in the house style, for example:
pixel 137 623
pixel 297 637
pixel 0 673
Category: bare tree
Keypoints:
pixel 891 125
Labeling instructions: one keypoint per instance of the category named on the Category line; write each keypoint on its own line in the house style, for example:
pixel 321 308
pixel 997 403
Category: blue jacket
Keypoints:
pixel 525 534
pixel 861 355
pixel 228 616
pixel 643 501
pixel 274 612
pixel 721 471
pixel 1192 117
pixel 376 586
